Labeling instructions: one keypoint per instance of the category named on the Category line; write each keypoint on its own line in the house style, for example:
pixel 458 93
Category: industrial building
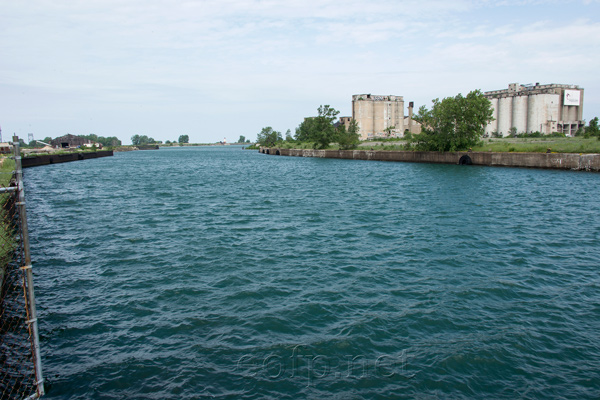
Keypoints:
pixel 70 141
pixel 536 108
pixel 6 148
pixel 375 114
pixel 380 116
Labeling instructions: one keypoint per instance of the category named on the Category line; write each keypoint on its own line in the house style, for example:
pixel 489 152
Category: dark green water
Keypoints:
pixel 222 273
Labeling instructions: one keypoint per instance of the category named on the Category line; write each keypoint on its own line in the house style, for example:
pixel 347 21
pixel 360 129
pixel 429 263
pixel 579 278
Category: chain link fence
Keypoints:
pixel 20 365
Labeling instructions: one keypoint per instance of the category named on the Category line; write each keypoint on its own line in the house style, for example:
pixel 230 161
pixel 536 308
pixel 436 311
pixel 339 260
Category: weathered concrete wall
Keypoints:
pixel 61 158
pixel 374 113
pixel 148 147
pixel 493 125
pixel 505 115
pixel 566 161
pixel 519 116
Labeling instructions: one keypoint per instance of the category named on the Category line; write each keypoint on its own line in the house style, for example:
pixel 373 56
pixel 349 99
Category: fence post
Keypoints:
pixel 33 322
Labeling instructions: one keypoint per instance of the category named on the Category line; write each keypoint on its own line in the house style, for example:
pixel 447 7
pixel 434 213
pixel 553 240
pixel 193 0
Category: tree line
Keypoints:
pixel 104 141
pixel 110 141
pixel 453 123
pixel 320 130
pixel 141 140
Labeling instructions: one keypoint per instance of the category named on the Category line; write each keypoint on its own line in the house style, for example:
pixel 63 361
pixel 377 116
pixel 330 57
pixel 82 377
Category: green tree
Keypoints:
pixel 268 137
pixel 320 129
pixel 107 141
pixel 184 139
pixel 324 132
pixel 455 123
pixel 288 136
pixel 348 138
pixel 242 139
pixel 304 131
pixel 388 130
pixel 140 140
pixel 592 128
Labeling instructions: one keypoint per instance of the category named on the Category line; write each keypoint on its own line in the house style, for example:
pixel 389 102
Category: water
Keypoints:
pixel 222 273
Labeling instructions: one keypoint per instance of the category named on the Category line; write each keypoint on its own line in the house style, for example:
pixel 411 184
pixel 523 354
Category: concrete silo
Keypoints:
pixel 493 125
pixel 519 113
pixel 374 114
pixel 505 115
pixel 542 108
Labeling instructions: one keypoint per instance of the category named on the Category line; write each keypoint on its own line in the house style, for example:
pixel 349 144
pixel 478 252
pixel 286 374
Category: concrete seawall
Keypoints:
pixel 565 161
pixel 47 159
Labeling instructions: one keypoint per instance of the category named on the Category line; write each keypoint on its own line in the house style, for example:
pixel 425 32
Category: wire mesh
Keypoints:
pixel 18 376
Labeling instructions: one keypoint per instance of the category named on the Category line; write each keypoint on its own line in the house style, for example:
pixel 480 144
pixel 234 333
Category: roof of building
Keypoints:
pixel 376 97
pixel 515 88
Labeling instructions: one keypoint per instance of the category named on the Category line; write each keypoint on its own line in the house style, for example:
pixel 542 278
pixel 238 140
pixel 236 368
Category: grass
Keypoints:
pixel 59 152
pixel 7 237
pixel 7 166
pixel 500 145
pixel 541 145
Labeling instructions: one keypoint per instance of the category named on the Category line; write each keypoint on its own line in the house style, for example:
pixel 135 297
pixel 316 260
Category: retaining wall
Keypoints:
pixel 566 161
pixel 47 159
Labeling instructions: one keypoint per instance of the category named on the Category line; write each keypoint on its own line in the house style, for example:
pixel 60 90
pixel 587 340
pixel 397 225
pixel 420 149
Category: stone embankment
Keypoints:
pixel 61 158
pixel 147 147
pixel 565 161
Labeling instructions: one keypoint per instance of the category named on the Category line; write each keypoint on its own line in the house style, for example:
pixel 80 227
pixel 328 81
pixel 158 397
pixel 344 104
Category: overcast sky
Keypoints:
pixel 224 68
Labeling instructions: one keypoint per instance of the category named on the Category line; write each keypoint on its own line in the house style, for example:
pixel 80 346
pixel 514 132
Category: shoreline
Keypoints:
pixel 47 159
pixel 561 161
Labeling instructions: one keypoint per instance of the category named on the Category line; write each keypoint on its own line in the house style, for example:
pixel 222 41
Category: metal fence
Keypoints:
pixel 20 363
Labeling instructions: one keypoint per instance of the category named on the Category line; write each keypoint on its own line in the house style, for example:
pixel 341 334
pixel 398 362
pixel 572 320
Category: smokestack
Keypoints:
pixel 410 115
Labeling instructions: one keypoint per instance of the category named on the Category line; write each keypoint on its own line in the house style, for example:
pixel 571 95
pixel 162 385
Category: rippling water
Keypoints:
pixel 220 273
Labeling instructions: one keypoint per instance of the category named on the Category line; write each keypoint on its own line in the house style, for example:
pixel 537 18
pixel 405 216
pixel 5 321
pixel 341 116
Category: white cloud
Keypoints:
pixel 105 60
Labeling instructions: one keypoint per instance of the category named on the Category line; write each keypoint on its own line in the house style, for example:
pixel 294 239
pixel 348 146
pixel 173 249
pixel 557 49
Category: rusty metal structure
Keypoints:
pixel 20 361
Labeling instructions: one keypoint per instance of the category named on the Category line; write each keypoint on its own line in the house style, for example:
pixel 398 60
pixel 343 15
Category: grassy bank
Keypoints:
pixel 7 166
pixel 27 153
pixel 541 145
pixel 7 237
pixel 500 145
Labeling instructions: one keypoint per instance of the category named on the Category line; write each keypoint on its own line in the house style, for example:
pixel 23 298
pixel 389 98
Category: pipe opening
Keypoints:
pixel 465 160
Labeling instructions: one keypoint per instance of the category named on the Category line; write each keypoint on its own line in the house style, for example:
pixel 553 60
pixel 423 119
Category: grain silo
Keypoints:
pixel 536 108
